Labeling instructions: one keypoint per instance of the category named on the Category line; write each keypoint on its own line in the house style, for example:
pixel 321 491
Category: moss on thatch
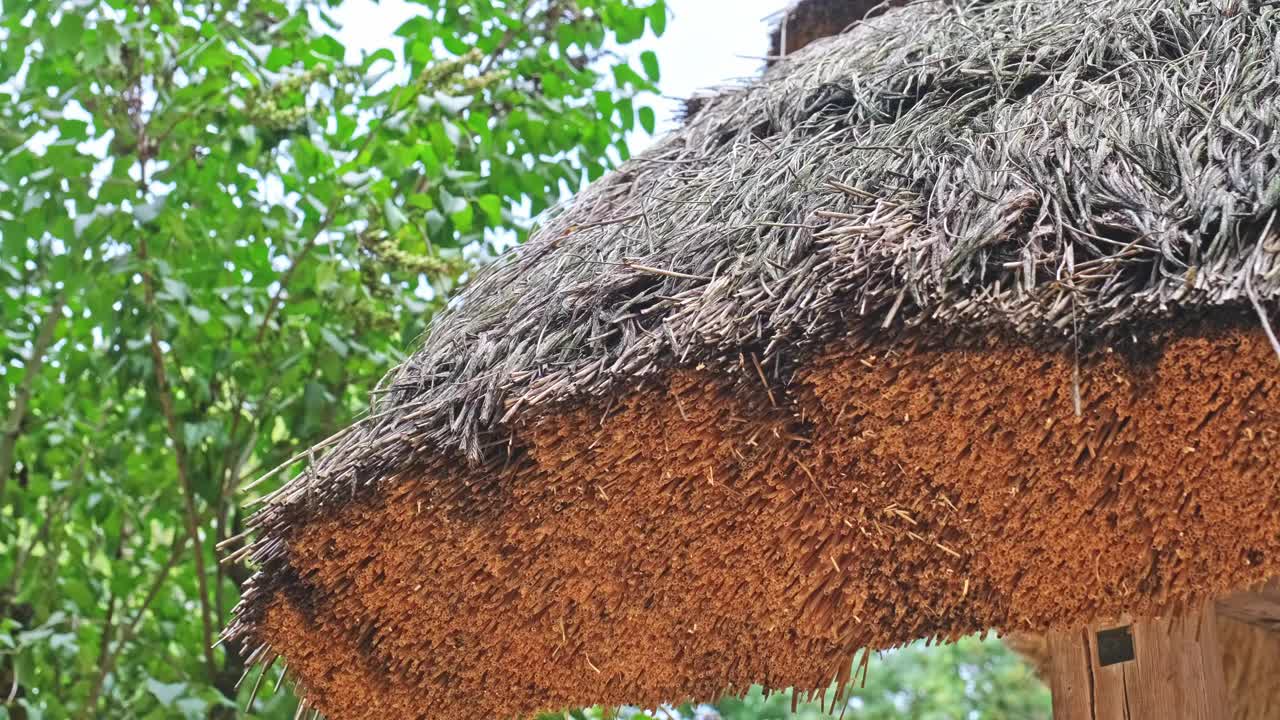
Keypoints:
pixel 1069 175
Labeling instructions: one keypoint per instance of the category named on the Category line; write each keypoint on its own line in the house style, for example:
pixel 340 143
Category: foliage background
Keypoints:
pixel 968 680
pixel 216 234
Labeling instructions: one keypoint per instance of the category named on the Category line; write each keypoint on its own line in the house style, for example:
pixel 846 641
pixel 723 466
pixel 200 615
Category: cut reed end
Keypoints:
pixel 707 532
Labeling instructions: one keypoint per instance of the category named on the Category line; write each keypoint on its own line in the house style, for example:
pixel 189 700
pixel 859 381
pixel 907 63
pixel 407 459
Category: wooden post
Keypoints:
pixel 1164 669
pixel 1258 606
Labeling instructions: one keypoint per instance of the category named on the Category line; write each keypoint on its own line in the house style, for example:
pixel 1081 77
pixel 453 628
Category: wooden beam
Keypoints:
pixel 1259 607
pixel 1251 664
pixel 1164 669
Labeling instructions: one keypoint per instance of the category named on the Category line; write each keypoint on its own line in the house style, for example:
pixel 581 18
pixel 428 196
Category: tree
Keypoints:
pixel 969 680
pixel 216 234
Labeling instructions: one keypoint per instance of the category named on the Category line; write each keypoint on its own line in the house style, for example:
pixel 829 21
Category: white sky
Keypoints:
pixel 707 42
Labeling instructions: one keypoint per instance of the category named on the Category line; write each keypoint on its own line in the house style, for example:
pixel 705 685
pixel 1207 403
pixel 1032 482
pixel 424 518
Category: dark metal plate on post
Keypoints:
pixel 1115 646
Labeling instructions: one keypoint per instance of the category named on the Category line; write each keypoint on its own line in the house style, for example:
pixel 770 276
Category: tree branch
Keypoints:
pixel 180 457
pixel 294 262
pixel 35 361
pixel 108 627
pixel 95 691
pixel 107 659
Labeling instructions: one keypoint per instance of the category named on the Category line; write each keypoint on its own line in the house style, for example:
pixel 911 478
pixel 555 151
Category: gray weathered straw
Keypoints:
pixel 1052 168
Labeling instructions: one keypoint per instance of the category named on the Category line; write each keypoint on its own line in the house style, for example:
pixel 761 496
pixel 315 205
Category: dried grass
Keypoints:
pixel 1053 168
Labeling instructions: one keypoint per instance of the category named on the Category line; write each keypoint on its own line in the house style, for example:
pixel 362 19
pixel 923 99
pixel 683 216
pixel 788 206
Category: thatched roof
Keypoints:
pixel 867 301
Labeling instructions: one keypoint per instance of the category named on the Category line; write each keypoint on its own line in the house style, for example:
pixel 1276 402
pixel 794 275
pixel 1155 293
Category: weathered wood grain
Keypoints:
pixel 1259 607
pixel 1176 673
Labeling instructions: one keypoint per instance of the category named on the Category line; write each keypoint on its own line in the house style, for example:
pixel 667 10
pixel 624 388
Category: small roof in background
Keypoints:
pixel 804 21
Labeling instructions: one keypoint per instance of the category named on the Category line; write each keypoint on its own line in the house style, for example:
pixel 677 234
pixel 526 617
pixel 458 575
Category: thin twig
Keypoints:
pixel 165 395
pixel 107 660
pixel 22 398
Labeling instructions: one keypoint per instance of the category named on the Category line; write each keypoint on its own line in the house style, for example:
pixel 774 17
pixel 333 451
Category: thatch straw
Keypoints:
pixel 1053 168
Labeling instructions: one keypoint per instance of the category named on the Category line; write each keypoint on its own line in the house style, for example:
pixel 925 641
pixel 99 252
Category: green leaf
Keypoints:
pixel 626 113
pixel 395 217
pixel 381 54
pixel 650 63
pixel 328 47
pixel 463 218
pixel 603 103
pixel 491 205
pixel 624 76
pixel 279 57
pixel 194 708
pixel 200 315
pixel 174 289
pixel 657 13
pixel 451 203
pixel 417 26
pixel 647 119
pixel 166 693
pixel 454 44
pixel 333 341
